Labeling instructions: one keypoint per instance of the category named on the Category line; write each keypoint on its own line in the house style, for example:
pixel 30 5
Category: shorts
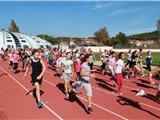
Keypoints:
pixel 113 74
pixel 15 66
pixel 148 67
pixel 35 80
pixel 132 65
pixel 66 76
pixel 87 86
pixel 103 65
pixel 10 63
pixel 50 62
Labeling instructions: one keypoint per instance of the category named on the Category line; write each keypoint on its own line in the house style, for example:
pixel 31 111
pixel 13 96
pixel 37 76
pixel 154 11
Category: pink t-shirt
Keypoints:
pixel 112 62
pixel 15 58
pixel 55 55
pixel 78 65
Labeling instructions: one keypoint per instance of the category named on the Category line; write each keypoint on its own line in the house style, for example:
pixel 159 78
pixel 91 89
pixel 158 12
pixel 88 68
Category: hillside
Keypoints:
pixel 146 36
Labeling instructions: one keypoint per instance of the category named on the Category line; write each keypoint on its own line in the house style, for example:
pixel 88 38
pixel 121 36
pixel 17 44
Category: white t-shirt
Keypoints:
pixel 67 66
pixel 119 67
pixel 85 67
pixel 10 57
pixel 60 60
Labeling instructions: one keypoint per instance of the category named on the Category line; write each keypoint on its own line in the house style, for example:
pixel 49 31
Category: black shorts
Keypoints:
pixel 50 62
pixel 103 65
pixel 10 63
pixel 34 80
pixel 148 67
pixel 132 64
pixel 15 66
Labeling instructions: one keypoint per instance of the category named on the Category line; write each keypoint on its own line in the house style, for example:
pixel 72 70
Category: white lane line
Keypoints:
pixel 126 88
pixel 48 108
pixel 130 88
pixel 105 109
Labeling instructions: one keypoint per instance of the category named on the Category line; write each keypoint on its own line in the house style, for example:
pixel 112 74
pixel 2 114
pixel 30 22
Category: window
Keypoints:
pixel 23 41
pixel 8 37
pixel 25 46
pixel 37 41
pixel 8 46
pixel 48 46
pixel 41 46
pixel 20 37
pixel 9 40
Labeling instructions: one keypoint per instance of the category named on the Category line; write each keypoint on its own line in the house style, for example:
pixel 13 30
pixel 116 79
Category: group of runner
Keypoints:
pixel 68 62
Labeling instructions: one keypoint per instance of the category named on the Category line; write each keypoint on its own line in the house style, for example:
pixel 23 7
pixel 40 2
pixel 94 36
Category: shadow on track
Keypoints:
pixel 126 101
pixel 148 96
pixel 72 97
pixel 34 94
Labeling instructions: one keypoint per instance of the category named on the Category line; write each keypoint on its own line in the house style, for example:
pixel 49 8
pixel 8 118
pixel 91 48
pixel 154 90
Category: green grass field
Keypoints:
pixel 155 56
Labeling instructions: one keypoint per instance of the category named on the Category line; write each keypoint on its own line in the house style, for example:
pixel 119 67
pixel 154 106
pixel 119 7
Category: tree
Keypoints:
pixel 49 38
pixel 113 41
pixel 13 27
pixel 122 38
pixel 102 36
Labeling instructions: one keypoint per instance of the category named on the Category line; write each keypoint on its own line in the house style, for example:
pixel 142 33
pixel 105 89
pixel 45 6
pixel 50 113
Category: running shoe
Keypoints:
pixel 140 93
pixel 40 104
pixel 90 109
pixel 67 95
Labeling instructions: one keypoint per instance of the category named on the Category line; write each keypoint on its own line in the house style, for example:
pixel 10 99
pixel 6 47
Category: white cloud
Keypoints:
pixel 101 5
pixel 124 11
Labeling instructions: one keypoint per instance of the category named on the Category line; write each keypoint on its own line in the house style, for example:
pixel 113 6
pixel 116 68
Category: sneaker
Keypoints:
pixel 67 95
pixel 140 93
pixel 90 109
pixel 40 104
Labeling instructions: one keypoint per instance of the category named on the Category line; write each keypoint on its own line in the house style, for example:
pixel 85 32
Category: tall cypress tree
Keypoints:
pixel 13 27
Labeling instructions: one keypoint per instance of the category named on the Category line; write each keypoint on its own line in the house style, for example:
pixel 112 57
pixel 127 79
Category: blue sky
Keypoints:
pixel 81 19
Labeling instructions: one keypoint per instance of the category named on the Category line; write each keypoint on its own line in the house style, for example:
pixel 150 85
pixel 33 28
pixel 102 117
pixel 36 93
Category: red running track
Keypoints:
pixel 16 102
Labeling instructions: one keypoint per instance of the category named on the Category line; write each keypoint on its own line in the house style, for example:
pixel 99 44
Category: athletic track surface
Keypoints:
pixel 17 101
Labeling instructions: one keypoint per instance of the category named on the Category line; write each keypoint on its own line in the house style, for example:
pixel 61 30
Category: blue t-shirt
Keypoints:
pixel 148 59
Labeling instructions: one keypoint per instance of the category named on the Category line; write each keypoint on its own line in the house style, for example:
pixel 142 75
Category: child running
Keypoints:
pixel 148 66
pixel 38 69
pixel 10 59
pixel 85 77
pixel 15 58
pixel 68 72
pixel 112 65
pixel 118 70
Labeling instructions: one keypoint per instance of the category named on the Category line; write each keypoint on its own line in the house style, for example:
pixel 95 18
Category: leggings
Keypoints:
pixel 119 81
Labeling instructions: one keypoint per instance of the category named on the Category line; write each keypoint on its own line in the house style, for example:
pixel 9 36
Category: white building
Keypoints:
pixel 19 40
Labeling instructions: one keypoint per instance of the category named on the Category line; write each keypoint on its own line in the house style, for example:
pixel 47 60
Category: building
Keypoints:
pixel 20 40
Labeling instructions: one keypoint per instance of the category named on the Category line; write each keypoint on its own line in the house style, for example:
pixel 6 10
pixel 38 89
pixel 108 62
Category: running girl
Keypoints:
pixel 148 66
pixel 112 65
pixel 129 58
pixel 38 69
pixel 50 59
pixel 68 72
pixel 118 70
pixel 10 59
pixel 15 57
pixel 85 77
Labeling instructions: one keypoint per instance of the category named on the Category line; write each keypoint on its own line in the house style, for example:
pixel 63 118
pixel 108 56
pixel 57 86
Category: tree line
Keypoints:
pixel 101 35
